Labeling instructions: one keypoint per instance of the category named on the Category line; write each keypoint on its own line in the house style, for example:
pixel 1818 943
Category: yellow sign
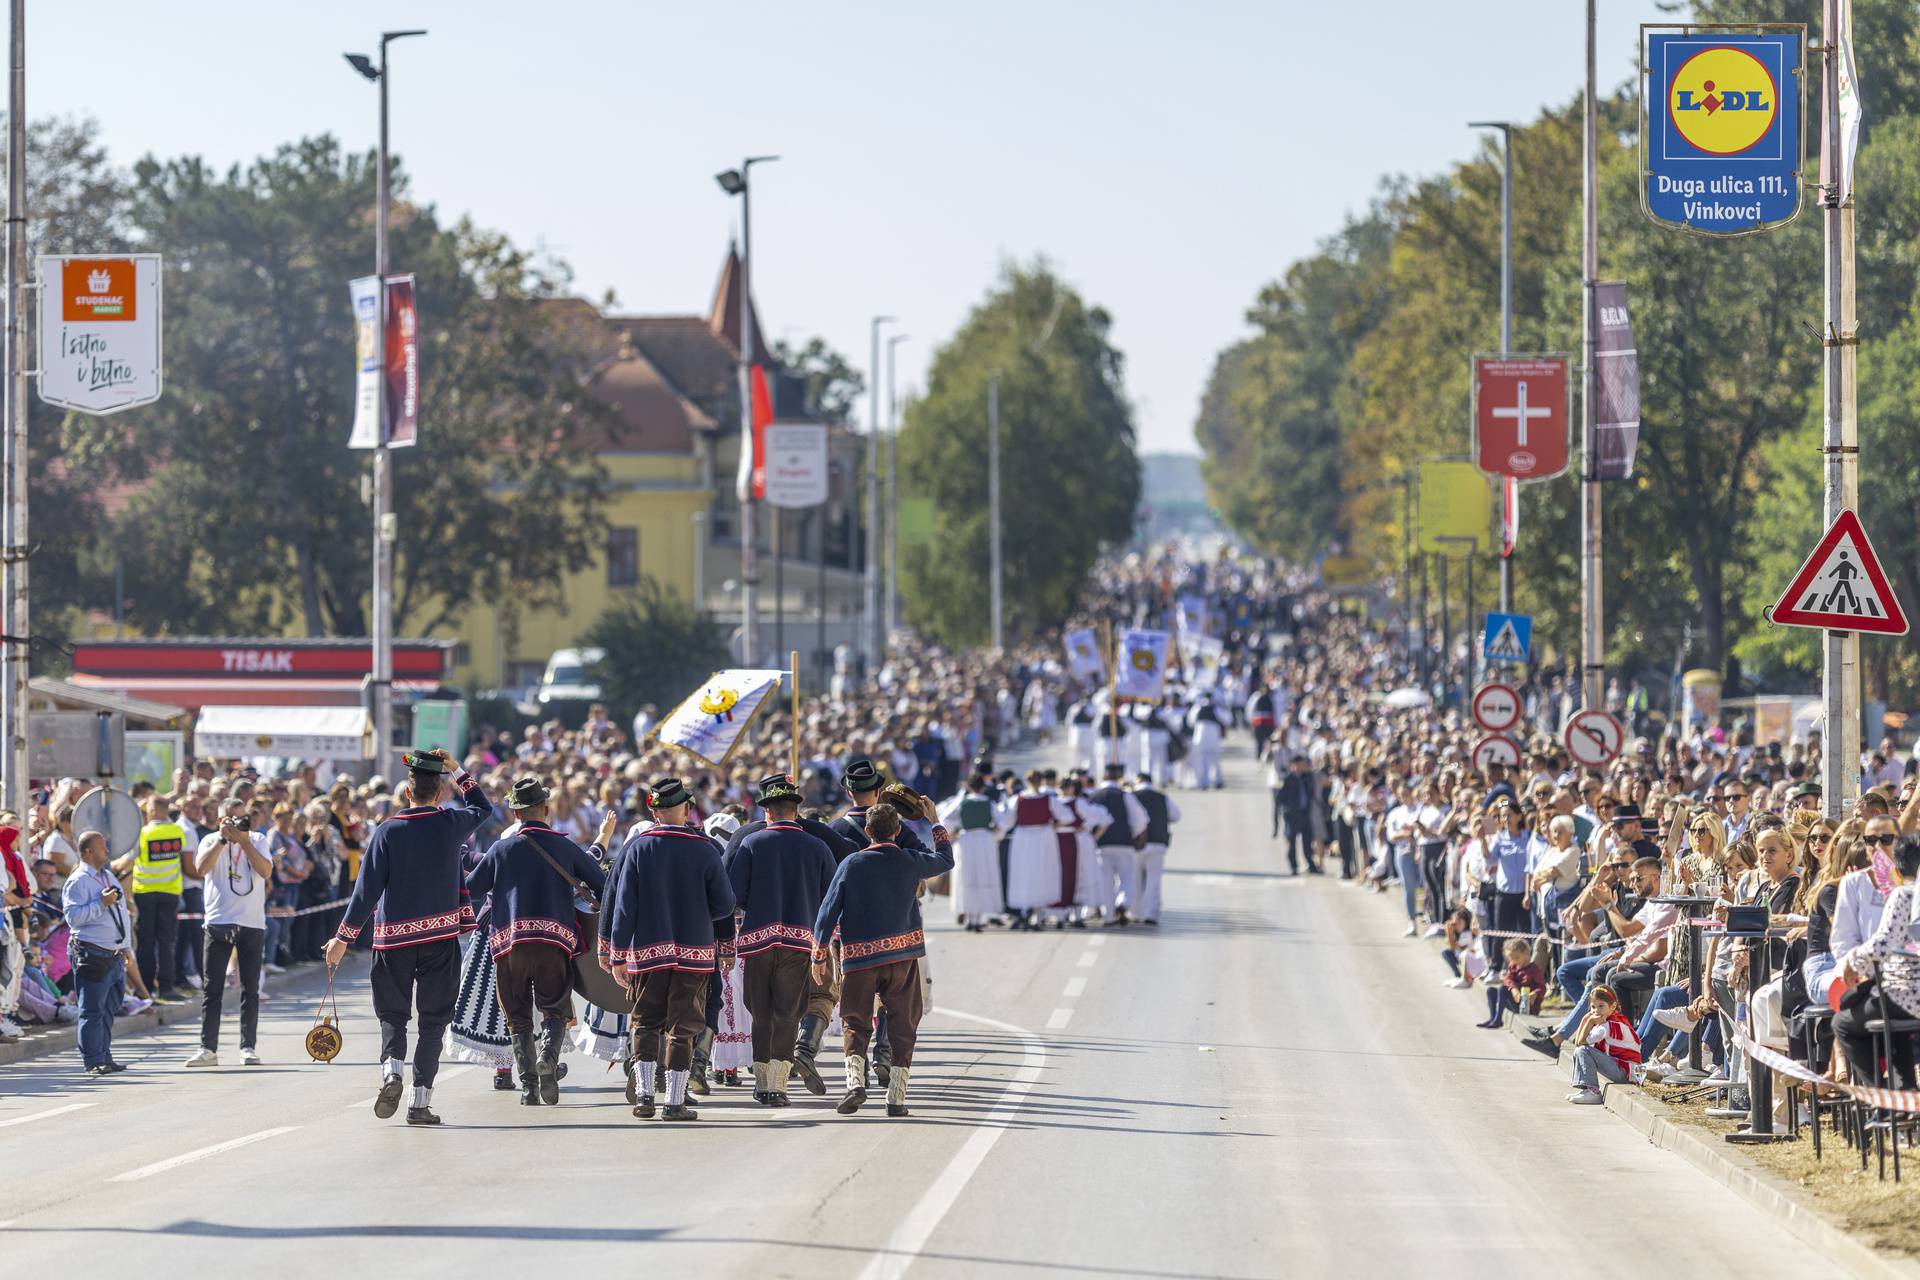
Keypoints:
pixel 1723 100
pixel 1338 573
pixel 1455 507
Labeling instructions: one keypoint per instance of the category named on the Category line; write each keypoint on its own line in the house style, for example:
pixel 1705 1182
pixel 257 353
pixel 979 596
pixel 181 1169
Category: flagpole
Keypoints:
pixel 793 671
pixel 1113 689
pixel 1593 636
pixel 1840 650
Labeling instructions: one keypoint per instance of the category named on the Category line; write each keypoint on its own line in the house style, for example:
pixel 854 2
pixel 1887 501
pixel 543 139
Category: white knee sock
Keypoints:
pixel 422 1095
pixel 676 1088
pixel 391 1068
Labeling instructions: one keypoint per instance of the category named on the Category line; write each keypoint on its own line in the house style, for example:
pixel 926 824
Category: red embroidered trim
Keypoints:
pixel 425 924
pixel 532 929
pixel 880 946
pixel 772 935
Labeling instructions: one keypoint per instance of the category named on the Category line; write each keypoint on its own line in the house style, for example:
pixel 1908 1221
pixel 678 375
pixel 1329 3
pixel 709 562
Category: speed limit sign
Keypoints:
pixel 1496 707
pixel 1496 748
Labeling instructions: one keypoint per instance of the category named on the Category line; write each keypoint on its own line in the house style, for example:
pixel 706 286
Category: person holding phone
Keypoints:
pixel 235 867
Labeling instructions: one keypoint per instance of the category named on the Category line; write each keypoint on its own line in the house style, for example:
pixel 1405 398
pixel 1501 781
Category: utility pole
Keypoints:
pixel 739 182
pixel 870 583
pixel 15 654
pixel 1593 641
pixel 1840 650
pixel 1509 487
pixel 893 492
pixel 993 514
pixel 386 524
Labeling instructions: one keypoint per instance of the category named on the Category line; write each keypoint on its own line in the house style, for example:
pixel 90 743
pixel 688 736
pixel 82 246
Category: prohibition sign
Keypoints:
pixel 1594 738
pixel 1496 707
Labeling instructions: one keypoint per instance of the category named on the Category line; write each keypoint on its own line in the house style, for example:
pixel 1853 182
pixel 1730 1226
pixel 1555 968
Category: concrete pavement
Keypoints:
pixel 1271 1083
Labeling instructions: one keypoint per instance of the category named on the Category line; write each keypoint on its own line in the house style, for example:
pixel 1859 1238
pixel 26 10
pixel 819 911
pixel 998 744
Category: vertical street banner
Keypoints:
pixel 1721 143
pixel 99 331
pixel 1083 654
pixel 393 356
pixel 750 482
pixel 1521 420
pixel 794 469
pixel 1616 427
pixel 1142 664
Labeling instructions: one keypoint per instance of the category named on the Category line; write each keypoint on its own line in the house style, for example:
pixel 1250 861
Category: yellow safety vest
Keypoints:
pixel 157 869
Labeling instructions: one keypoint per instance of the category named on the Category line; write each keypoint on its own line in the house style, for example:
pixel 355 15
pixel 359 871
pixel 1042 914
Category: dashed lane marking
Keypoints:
pixel 1058 1019
pixel 1075 986
pixel 174 1162
pixel 44 1115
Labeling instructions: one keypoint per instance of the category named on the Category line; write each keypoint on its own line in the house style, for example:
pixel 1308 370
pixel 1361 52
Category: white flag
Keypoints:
pixel 1083 653
pixel 708 725
pixel 1849 90
pixel 1143 664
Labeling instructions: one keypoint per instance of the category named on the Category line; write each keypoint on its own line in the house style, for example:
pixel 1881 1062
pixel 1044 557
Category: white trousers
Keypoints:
pixel 1151 861
pixel 1122 864
pixel 1206 763
pixel 1153 756
pixel 13 970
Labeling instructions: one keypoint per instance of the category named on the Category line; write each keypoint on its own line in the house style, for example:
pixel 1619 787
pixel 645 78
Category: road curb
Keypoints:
pixel 1759 1187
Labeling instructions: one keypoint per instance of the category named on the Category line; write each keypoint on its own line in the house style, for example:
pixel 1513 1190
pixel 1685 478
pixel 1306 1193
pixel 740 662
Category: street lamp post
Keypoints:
pixel 893 492
pixel 1509 487
pixel 870 579
pixel 738 182
pixel 386 525
pixel 996 618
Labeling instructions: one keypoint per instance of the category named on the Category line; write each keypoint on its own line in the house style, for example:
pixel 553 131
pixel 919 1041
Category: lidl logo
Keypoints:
pixel 1723 100
pixel 96 289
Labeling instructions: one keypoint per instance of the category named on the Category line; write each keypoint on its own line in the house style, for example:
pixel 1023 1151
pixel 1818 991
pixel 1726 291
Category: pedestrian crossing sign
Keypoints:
pixel 1841 586
pixel 1509 637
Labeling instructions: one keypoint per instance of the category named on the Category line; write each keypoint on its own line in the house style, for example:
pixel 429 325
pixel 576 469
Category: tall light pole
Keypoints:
pixel 870 584
pixel 1593 634
pixel 738 182
pixel 1840 650
pixel 14 650
pixel 893 492
pixel 386 525
pixel 1509 487
pixel 994 563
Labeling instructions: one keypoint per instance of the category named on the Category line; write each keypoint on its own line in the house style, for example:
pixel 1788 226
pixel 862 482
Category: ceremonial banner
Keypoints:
pixel 1192 616
pixel 1083 654
pixel 1143 664
pixel 708 725
pixel 1204 655
pixel 1616 425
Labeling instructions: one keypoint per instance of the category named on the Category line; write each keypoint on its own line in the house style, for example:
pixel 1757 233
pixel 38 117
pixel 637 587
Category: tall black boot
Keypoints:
pixel 813 1030
pixel 526 1060
pixel 882 1051
pixel 702 1063
pixel 549 1064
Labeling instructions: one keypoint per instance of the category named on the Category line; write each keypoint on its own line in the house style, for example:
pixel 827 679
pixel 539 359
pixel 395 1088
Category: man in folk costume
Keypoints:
pixel 874 902
pixel 977 893
pixel 1115 742
pixel 1142 890
pixel 1033 851
pixel 534 874
pixel 779 875
pixel 1156 740
pixel 1080 731
pixel 1120 840
pixel 820 999
pixel 411 886
pixel 667 893
pixel 1207 723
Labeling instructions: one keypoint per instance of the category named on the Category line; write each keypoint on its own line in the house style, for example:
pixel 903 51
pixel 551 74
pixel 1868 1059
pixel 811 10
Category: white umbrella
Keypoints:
pixel 1408 698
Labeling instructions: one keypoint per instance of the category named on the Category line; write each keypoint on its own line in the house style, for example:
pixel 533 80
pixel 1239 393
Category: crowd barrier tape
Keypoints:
pixel 278 913
pixel 1577 946
pixel 1905 1100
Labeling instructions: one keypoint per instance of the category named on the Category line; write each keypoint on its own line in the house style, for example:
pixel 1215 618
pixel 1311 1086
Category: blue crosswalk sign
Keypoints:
pixel 1509 637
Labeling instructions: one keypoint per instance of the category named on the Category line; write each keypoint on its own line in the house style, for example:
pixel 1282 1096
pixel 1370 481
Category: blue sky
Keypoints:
pixel 1167 157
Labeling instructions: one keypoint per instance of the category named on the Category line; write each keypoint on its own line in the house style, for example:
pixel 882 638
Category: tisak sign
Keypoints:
pixel 100 331
pixel 1721 143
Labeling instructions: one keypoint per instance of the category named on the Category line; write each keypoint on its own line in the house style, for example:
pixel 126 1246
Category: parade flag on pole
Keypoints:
pixel 1509 515
pixel 1192 616
pixel 708 725
pixel 1204 655
pixel 1142 666
pixel 1083 653
pixel 751 480
pixel 1850 107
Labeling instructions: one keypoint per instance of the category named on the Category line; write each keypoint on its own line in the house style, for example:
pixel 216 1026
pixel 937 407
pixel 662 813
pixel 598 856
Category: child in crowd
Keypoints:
pixel 1462 952
pixel 1607 1047
pixel 1522 985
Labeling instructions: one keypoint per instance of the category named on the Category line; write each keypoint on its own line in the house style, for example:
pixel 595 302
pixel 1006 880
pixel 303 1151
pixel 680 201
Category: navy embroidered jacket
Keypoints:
pixel 667 890
pixel 837 843
pixel 779 876
pixel 853 826
pixel 531 903
pixel 873 901
pixel 410 881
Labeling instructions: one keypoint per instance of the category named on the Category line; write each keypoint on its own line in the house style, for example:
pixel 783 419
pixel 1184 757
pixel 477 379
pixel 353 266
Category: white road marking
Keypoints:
pixel 1097 940
pixel 911 1236
pixel 161 1166
pixel 44 1115
pixel 1058 1019
pixel 1088 959
pixel 1074 988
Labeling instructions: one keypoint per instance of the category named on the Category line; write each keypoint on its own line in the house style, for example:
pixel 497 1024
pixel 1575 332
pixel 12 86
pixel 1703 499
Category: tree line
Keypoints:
pixel 1357 367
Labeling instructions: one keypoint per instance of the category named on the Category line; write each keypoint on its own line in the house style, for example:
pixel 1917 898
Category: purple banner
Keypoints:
pixel 1616 406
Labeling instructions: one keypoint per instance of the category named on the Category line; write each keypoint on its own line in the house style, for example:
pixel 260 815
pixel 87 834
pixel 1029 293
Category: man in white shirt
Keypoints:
pixel 237 873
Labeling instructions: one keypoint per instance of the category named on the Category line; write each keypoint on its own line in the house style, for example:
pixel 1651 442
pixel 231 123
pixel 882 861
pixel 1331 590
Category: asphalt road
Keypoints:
pixel 1271 1084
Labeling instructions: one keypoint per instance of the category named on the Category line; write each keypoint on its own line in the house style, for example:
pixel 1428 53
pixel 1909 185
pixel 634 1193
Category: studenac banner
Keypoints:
pixel 1616 411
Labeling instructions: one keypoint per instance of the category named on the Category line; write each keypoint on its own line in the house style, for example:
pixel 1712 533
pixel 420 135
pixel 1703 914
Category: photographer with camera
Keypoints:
pixel 236 869
pixel 100 933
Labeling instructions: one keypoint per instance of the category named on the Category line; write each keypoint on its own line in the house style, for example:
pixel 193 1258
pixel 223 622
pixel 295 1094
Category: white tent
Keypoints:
pixel 293 733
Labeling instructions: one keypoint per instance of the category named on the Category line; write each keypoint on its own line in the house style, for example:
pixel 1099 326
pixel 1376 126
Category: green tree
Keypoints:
pixel 1069 477
pixel 833 384
pixel 658 648
pixel 247 484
